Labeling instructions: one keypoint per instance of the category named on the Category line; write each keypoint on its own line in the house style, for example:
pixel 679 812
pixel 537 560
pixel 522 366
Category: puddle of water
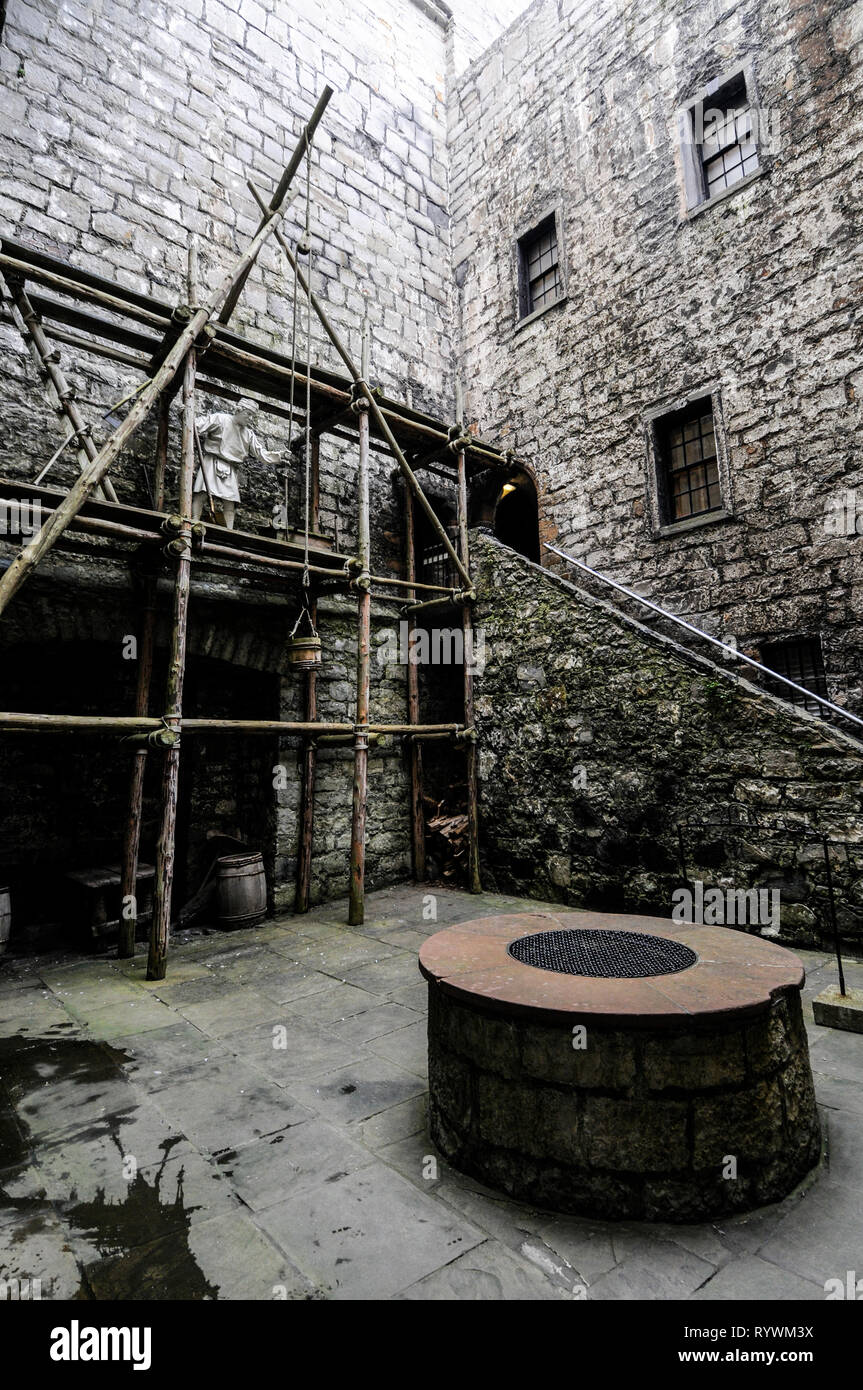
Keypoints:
pixel 142 1238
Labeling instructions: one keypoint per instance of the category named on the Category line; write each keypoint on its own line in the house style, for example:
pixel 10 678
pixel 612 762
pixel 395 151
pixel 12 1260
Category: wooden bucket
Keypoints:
pixel 5 918
pixel 241 890
pixel 305 653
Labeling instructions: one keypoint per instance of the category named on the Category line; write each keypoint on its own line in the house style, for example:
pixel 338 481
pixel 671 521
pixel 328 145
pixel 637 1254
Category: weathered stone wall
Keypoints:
pixel 127 127
pixel 575 108
pixel 597 736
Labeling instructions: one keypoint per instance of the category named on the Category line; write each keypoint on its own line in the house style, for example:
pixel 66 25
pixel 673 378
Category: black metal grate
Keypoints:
pixel 607 955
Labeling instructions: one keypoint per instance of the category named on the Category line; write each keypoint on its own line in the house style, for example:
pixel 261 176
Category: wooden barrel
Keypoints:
pixel 5 918
pixel 242 890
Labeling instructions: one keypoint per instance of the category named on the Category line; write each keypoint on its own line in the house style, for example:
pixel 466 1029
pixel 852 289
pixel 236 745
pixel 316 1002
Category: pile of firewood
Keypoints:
pixel 446 842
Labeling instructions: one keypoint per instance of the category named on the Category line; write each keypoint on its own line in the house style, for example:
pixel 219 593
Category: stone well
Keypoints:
pixel 676 1095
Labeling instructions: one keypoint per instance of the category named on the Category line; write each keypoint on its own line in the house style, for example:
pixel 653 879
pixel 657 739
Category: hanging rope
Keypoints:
pixel 308 248
pixel 293 381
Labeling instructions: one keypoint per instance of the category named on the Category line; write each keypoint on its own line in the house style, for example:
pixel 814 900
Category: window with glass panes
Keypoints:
pixel 687 445
pixel 539 267
pixel 728 149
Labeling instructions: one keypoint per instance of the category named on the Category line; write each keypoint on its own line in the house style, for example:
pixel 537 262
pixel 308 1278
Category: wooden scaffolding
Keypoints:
pixel 185 347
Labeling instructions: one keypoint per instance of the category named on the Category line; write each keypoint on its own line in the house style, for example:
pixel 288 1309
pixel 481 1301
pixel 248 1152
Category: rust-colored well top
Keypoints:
pixel 733 974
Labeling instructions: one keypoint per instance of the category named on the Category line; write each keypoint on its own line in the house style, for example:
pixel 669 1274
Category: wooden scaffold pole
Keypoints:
pixel 356 909
pixel 132 837
pixel 181 547
pixel 415 752
pixel 474 884
pixel 310 752
pixel 47 360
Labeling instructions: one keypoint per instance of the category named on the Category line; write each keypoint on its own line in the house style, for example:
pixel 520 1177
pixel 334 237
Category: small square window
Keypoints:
pixel 800 660
pixel 539 268
pixel 689 467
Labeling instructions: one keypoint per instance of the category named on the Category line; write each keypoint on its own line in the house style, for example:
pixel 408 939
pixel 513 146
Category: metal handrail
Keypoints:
pixel 690 627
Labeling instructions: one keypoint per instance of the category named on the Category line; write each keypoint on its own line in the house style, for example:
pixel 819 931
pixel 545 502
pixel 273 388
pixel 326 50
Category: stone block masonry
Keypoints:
pixel 611 1097
pixel 598 736
pixel 574 110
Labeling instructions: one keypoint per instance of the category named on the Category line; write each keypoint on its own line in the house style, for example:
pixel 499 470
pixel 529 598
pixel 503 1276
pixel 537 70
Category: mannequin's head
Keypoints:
pixel 245 411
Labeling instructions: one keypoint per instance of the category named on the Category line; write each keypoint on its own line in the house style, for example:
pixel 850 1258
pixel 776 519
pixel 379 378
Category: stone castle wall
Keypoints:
pixel 575 109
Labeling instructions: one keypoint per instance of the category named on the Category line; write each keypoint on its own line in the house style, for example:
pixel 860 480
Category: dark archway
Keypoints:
pixel 516 518
pixel 509 507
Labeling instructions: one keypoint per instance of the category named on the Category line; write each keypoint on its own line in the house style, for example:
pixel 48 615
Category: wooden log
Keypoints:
pixel 474 882
pixel 125 724
pixel 356 905
pixel 132 836
pixel 417 813
pixel 310 755
pixel 47 361
pixel 66 285
pixel 166 849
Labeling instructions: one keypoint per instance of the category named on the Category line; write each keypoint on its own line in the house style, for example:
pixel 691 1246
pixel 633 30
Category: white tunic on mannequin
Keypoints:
pixel 225 445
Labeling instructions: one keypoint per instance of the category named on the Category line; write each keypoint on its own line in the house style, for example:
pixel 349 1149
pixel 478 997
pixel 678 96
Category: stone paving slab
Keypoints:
pixel 224 1258
pixel 286 1164
pixel 821 1239
pixel 664 1270
pixel 488 1273
pixel 752 1279
pixel 367 1236
pixel 165 1199
pixel 131 1016
pixel 103 1156
pixel 373 1023
pixel 356 1092
pixel 293 1050
pixel 155 1058
pixel 289 982
pixel 225 1104
pixel 35 1245
pixel 408 1047
pixel 337 1002
pixel 396 1122
pixel 382 977
pixel 229 1011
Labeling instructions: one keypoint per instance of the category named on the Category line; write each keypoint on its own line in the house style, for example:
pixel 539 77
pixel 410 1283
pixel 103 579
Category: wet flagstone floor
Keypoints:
pixel 254 1127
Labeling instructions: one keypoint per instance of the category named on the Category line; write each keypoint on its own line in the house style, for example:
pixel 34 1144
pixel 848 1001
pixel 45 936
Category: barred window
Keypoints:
pixel 539 268
pixel 686 446
pixel 800 660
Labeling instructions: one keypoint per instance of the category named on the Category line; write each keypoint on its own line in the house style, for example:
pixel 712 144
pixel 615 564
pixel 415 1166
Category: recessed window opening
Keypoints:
pixel 686 447
pixel 539 268
pixel 728 148
pixel 801 660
